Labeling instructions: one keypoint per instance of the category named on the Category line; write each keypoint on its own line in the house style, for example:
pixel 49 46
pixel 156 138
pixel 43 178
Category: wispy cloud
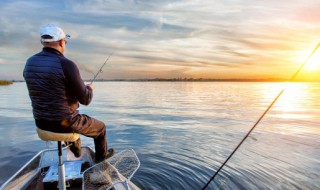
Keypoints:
pixel 166 38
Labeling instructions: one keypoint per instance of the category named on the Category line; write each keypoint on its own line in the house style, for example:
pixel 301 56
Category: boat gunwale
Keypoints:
pixel 21 169
pixel 29 162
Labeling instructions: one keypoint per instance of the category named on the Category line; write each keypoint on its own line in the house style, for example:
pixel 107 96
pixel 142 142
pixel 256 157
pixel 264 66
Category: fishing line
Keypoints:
pixel 261 117
pixel 100 70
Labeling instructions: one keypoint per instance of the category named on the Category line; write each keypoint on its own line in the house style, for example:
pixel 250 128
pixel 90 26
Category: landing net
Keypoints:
pixel 117 169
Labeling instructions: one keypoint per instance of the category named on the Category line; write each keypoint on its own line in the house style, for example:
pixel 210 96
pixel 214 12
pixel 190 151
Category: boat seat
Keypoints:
pixel 67 137
pixel 51 136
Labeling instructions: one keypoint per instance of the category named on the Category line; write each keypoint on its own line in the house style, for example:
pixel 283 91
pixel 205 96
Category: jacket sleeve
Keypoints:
pixel 75 85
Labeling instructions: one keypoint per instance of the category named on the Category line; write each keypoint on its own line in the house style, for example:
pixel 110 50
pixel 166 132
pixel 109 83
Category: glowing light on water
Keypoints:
pixel 290 102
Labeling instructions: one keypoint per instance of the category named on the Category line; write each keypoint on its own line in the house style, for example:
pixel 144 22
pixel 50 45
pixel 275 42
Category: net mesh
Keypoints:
pixel 111 171
pixel 126 162
pixel 101 176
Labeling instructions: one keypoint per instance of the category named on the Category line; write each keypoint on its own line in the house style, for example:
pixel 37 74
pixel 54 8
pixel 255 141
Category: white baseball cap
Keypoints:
pixel 54 31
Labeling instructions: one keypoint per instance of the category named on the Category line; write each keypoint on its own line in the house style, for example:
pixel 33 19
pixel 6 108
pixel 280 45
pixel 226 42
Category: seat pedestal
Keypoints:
pixel 51 136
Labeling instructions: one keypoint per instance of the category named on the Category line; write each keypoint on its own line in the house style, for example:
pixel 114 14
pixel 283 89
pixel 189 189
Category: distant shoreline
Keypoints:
pixel 196 80
pixel 181 80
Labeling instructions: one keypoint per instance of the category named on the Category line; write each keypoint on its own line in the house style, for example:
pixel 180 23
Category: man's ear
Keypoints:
pixel 61 43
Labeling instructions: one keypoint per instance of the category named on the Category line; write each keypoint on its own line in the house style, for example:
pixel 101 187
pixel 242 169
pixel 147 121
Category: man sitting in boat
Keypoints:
pixel 56 89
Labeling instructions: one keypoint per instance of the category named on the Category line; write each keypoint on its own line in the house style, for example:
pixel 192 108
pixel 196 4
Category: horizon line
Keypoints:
pixel 194 80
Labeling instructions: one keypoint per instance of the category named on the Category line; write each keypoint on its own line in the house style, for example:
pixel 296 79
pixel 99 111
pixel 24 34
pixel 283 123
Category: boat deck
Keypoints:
pixel 40 173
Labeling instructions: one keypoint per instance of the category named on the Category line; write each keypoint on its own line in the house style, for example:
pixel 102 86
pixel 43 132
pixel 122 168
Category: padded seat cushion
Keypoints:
pixel 51 136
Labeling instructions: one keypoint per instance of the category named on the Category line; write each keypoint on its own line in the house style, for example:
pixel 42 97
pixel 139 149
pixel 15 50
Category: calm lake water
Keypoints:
pixel 183 131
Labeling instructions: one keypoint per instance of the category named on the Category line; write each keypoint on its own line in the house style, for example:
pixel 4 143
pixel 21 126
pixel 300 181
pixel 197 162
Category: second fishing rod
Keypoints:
pixel 262 116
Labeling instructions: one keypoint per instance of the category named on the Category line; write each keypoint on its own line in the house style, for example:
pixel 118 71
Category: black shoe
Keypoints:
pixel 75 150
pixel 110 153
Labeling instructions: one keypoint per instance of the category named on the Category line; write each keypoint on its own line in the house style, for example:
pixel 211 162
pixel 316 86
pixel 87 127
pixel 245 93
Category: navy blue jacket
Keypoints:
pixel 55 86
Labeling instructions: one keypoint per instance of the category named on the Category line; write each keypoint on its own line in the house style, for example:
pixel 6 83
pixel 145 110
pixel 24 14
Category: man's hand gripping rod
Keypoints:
pixel 100 70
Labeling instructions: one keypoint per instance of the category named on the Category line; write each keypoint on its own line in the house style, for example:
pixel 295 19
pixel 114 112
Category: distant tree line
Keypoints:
pixel 197 80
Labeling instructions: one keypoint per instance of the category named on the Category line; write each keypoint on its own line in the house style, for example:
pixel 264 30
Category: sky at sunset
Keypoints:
pixel 168 39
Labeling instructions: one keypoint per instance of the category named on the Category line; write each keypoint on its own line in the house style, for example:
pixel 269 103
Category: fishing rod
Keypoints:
pixel 261 117
pixel 100 70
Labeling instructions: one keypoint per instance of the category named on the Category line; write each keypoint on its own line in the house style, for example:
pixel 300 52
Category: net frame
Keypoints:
pixel 112 171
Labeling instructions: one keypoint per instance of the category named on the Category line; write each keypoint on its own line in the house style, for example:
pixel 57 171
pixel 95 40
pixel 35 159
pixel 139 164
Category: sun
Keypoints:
pixel 314 63
pixel 311 70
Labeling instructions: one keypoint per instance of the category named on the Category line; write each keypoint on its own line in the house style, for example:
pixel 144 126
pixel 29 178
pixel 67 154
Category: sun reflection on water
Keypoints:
pixel 294 113
pixel 290 104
